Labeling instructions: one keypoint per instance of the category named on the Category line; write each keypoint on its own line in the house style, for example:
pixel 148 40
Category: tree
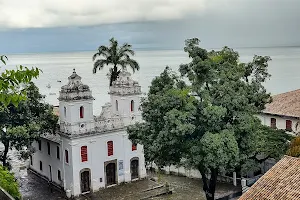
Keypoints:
pixel 13 83
pixel 294 148
pixel 209 124
pixel 24 123
pixel 116 56
pixel 8 183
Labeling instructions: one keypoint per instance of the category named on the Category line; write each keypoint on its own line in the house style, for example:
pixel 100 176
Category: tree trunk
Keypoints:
pixel 114 75
pixel 209 186
pixel 4 155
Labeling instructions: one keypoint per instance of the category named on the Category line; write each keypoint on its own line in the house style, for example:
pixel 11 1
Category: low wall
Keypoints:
pixel 4 195
pixel 193 173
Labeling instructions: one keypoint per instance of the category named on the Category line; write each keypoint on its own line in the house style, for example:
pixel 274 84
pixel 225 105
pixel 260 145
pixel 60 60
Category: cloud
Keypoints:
pixel 59 13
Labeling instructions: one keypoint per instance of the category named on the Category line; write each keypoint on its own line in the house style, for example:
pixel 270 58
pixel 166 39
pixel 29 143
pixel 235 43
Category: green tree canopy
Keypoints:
pixel 115 55
pixel 8 183
pixel 209 124
pixel 25 122
pixel 13 83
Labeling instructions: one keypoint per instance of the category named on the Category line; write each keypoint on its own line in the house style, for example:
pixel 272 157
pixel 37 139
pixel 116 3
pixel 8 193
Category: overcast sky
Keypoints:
pixel 75 25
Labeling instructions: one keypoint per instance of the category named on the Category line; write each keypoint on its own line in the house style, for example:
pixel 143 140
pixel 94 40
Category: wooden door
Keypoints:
pixel 134 168
pixel 85 181
pixel 111 174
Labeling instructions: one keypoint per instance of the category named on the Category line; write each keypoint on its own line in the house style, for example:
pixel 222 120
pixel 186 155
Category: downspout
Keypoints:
pixel 63 163
pixel 124 157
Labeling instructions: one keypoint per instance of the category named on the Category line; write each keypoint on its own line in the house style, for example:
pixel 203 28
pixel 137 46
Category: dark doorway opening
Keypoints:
pixel 110 174
pixel 85 181
pixel 134 169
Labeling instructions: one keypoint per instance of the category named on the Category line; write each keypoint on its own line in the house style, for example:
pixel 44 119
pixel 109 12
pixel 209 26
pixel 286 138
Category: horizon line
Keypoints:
pixel 157 49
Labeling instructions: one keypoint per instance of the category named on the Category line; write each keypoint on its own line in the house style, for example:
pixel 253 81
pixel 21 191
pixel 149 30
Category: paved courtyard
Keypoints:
pixel 34 188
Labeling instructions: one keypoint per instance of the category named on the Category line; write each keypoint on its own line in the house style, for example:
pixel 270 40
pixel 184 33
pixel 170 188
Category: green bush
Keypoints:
pixel 8 183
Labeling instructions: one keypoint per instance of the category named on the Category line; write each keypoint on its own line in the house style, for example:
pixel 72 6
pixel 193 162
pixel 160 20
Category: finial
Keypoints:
pixel 74 70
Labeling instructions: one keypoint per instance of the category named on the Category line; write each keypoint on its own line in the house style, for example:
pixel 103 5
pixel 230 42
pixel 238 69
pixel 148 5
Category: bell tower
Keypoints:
pixel 76 107
pixel 125 98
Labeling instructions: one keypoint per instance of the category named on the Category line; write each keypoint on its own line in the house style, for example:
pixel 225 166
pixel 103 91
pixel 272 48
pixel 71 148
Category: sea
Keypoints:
pixel 57 67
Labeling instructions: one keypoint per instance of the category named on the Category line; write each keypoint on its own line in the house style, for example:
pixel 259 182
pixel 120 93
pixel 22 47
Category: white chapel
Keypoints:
pixel 92 152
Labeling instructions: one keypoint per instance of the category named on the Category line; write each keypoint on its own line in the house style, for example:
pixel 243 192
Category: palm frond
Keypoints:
pixel 102 51
pixel 133 64
pixel 125 49
pixel 99 64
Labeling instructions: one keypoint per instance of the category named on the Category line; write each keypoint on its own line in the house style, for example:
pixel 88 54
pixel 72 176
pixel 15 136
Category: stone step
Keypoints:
pixel 155 192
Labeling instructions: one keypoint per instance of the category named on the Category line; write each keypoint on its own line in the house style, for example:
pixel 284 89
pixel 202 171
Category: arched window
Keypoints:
pixel 65 111
pixel 81 111
pixel 117 106
pixel 132 106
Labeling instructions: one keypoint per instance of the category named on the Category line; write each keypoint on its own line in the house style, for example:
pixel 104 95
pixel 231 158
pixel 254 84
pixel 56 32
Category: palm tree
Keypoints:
pixel 116 56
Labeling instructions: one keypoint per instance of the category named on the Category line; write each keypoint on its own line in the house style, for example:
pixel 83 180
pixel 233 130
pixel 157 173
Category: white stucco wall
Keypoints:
pixel 280 121
pixel 97 156
pixel 72 122
pixel 56 164
pixel 124 106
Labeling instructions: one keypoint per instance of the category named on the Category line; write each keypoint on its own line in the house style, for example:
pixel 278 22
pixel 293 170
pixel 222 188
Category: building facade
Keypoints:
pixel 283 112
pixel 92 152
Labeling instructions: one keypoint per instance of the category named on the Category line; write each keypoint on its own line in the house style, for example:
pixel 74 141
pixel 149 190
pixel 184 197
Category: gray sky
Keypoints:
pixel 74 25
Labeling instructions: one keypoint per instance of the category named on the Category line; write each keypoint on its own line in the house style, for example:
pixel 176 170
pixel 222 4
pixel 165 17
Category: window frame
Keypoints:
pixel 65 112
pixel 40 145
pixel 84 154
pixel 81 112
pixel 289 125
pixel 58 152
pixel 48 148
pixel 110 148
pixel 273 122
pixel 59 175
pixel 66 156
pixel 132 106
pixel 133 147
pixel 41 165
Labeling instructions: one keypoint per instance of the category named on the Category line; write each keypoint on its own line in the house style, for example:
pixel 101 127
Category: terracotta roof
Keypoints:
pixel 281 182
pixel 287 104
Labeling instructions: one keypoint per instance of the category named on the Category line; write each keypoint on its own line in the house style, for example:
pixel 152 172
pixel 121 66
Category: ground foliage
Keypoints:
pixel 8 183
pixel 294 148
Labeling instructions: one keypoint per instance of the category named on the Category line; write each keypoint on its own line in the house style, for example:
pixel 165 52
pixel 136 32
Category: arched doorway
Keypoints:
pixel 110 174
pixel 134 168
pixel 85 180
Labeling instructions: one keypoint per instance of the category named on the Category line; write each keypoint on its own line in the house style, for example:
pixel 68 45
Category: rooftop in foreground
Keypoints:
pixel 280 182
pixel 285 104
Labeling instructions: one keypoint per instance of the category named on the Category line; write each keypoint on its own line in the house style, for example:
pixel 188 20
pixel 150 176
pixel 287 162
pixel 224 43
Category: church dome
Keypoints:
pixel 75 89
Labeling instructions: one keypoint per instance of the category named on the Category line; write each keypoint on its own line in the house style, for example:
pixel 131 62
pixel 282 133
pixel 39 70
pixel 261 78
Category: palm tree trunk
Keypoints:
pixel 114 75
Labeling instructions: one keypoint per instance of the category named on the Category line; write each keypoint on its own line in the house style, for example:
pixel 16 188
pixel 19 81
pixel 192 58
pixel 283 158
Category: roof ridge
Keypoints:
pixel 286 92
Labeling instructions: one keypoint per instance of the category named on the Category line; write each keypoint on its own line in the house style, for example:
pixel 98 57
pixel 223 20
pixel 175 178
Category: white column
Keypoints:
pixel 234 179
